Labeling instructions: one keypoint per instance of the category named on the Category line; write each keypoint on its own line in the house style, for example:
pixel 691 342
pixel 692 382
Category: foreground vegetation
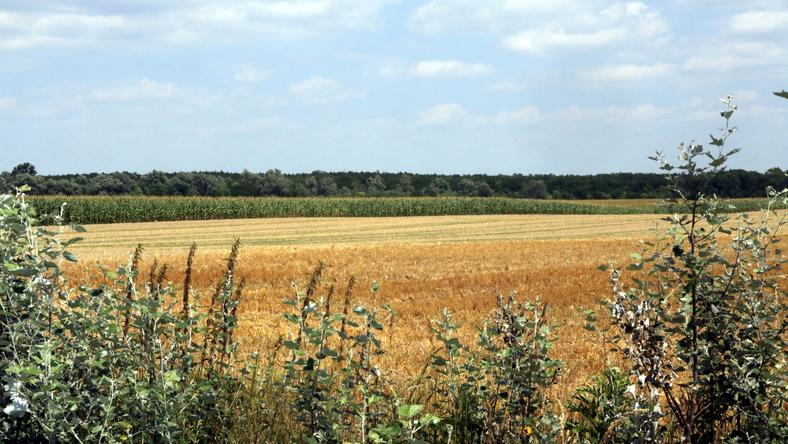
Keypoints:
pixel 423 265
pixel 699 325
pixel 93 210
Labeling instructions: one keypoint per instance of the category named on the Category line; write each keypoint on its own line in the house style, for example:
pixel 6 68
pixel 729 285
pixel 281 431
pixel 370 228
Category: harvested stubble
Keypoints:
pixel 340 231
pixel 423 265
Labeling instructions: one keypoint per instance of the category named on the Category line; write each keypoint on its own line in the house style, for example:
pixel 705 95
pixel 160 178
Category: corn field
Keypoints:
pixel 95 210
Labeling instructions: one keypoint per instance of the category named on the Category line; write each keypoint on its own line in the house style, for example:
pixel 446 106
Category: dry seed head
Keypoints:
pixel 187 280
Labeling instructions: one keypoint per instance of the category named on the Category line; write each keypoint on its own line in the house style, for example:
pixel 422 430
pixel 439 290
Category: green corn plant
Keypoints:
pixel 101 209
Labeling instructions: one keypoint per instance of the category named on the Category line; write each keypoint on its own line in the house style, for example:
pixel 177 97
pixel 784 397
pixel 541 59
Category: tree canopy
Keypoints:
pixel 732 183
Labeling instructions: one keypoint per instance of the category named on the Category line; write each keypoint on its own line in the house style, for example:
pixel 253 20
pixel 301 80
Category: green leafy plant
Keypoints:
pixel 702 318
pixel 496 392
pixel 338 389
pixel 411 422
pixel 111 363
pixel 606 411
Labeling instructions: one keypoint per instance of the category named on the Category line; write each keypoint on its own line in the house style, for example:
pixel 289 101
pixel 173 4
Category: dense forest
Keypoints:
pixel 732 183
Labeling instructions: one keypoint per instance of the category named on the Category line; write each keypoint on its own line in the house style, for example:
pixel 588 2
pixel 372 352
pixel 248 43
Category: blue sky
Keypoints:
pixel 450 86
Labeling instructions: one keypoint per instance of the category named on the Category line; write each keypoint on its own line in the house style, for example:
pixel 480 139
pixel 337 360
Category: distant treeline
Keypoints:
pixel 733 183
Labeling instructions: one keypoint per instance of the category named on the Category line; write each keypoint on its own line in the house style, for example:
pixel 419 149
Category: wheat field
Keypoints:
pixel 424 264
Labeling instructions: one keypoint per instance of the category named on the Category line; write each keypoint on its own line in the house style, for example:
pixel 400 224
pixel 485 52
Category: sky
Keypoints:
pixel 435 86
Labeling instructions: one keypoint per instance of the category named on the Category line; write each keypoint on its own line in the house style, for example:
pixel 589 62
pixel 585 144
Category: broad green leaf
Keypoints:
pixel 409 410
pixel 428 419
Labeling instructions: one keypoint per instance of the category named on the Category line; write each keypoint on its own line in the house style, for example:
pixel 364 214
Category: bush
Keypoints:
pixel 498 391
pixel 702 320
pixel 605 411
pixel 116 362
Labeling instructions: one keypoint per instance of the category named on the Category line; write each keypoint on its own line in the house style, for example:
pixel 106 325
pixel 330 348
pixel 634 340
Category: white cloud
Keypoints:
pixel 442 15
pixel 444 114
pixel 392 68
pixel 134 90
pixel 617 23
pixel 612 113
pixel 535 25
pixel 433 69
pixel 290 8
pixel 449 68
pixel 450 114
pixel 559 38
pixel 25 30
pixel 734 55
pixel 7 103
pixel 57 23
pixel 508 85
pixel 643 111
pixel 250 74
pixel 62 23
pixel 488 15
pixel 525 114
pixel 627 71
pixel 320 90
pixel 574 112
pixel 760 21
pixel 245 12
pixel 257 125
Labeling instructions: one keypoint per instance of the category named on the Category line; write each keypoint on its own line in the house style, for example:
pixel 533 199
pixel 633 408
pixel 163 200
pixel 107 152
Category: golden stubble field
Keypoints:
pixel 424 264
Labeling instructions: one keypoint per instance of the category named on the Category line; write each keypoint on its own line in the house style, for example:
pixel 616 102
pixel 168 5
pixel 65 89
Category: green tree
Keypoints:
pixel 534 189
pixel 207 184
pixel 485 190
pixel 405 183
pixel 24 168
pixel 274 183
pixel 438 187
pixel 375 184
pixel 467 187
pixel 156 183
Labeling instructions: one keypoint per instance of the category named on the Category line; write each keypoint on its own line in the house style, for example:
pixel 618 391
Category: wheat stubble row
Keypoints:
pixel 424 264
